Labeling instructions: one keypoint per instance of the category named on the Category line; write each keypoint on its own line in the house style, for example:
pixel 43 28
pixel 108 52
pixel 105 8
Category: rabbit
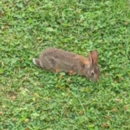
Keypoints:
pixel 59 60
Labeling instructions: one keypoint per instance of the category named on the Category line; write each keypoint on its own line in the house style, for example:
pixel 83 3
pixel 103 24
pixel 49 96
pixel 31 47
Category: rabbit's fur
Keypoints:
pixel 59 60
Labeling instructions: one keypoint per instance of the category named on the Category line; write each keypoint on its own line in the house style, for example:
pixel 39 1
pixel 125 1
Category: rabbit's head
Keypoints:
pixel 92 70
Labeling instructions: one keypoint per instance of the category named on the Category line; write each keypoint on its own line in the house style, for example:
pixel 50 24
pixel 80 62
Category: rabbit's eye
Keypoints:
pixel 92 73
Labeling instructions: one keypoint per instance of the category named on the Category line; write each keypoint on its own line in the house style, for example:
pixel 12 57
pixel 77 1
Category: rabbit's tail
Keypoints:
pixel 36 62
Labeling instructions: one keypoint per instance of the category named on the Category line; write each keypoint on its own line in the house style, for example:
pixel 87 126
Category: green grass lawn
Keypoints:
pixel 34 99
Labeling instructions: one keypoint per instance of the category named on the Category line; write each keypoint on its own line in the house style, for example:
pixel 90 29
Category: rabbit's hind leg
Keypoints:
pixel 49 63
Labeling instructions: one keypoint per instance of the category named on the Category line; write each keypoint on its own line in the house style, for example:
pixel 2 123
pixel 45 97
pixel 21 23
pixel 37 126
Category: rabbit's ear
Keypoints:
pixel 94 56
pixel 90 58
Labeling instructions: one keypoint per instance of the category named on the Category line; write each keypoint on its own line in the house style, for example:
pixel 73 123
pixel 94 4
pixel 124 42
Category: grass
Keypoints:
pixel 33 99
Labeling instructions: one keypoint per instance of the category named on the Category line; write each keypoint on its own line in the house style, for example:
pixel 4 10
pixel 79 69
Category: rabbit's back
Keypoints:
pixel 58 54
pixel 56 59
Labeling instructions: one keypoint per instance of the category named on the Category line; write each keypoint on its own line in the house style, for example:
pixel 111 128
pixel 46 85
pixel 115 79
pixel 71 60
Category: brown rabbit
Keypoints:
pixel 59 60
